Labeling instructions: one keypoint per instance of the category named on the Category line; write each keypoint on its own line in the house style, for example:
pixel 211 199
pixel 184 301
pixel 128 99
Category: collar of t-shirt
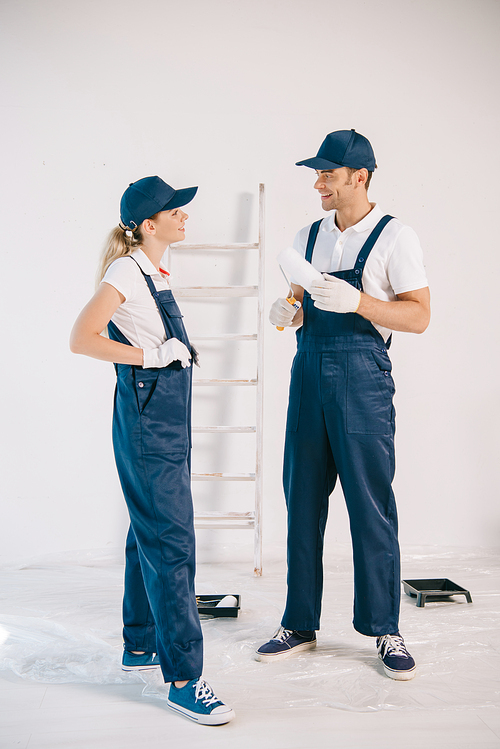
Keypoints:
pixel 147 266
pixel 366 224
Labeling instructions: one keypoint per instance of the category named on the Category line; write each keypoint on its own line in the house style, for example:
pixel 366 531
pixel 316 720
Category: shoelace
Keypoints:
pixel 393 645
pixel 204 692
pixel 282 634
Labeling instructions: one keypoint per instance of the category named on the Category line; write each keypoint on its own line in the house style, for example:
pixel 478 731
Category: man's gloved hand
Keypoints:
pixel 282 313
pixel 171 350
pixel 335 295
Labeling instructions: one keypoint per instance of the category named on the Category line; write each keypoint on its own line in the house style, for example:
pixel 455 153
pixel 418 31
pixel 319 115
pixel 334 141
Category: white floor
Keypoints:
pixel 61 684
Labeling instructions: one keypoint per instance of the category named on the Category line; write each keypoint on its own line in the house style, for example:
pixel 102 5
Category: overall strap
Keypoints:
pixel 156 296
pixel 369 244
pixel 311 240
pixel 163 316
pixel 365 251
pixel 149 282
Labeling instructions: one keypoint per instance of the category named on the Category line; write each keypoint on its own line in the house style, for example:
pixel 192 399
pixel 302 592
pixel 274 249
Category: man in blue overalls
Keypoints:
pixel 340 418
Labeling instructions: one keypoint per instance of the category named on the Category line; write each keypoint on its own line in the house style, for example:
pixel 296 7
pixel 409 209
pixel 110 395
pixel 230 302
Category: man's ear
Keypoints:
pixel 361 176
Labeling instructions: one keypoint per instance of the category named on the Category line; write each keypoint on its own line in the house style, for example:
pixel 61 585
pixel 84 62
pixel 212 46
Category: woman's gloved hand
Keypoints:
pixel 282 313
pixel 335 295
pixel 171 350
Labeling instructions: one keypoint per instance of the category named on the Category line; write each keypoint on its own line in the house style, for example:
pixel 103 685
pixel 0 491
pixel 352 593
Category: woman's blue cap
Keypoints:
pixel 150 195
pixel 343 148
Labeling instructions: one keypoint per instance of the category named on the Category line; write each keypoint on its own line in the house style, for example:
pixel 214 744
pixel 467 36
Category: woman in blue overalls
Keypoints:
pixel 152 442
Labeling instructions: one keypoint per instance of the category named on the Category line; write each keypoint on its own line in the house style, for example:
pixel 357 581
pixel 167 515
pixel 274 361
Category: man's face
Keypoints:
pixel 336 187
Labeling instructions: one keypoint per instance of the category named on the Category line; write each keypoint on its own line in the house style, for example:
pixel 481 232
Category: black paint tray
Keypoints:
pixel 207 605
pixel 436 589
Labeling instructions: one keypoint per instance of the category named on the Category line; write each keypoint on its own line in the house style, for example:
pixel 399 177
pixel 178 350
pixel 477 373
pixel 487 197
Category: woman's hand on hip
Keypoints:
pixel 171 350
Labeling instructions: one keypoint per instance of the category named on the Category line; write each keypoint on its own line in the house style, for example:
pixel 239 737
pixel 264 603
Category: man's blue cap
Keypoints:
pixel 343 148
pixel 150 195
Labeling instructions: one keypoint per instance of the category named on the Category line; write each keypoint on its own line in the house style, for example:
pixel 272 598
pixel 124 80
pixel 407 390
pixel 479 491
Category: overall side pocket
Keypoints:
pixel 369 393
pixel 145 386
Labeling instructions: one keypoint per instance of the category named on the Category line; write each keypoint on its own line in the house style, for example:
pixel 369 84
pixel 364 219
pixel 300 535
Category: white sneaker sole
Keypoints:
pixel 271 657
pixel 206 720
pixel 140 668
pixel 399 675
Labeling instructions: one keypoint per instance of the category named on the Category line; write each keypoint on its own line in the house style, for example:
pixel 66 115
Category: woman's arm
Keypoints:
pixel 86 335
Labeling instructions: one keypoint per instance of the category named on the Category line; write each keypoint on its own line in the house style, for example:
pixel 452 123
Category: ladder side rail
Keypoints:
pixel 260 393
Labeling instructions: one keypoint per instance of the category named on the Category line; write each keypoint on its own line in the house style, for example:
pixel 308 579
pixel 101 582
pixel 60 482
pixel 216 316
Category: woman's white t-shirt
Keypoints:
pixel 137 317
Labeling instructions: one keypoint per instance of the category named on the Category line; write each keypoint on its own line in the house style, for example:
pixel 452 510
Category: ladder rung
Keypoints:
pixel 229 520
pixel 223 477
pixel 216 291
pixel 224 337
pixel 224 382
pixel 225 515
pixel 212 247
pixel 223 429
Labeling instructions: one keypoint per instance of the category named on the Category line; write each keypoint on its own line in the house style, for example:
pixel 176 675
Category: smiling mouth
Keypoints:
pixel 324 197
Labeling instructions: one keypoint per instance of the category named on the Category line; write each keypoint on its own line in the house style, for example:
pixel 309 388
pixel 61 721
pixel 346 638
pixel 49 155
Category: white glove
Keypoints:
pixel 282 313
pixel 335 295
pixel 171 350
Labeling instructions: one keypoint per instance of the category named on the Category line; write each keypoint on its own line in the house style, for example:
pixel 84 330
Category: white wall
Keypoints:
pixel 226 94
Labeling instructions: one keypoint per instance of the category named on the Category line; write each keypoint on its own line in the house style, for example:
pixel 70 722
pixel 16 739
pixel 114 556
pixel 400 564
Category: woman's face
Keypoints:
pixel 169 225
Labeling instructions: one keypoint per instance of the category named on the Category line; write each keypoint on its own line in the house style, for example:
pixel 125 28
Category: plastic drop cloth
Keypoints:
pixel 60 623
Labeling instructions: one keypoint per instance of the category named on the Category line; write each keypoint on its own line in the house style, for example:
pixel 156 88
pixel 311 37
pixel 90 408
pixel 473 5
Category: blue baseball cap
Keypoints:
pixel 343 148
pixel 150 195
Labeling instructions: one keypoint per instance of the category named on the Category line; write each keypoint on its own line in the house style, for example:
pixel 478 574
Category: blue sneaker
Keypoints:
pixel 139 662
pixel 398 663
pixel 197 701
pixel 285 643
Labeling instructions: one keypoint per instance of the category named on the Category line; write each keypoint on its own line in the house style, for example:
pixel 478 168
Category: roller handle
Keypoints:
pixel 291 300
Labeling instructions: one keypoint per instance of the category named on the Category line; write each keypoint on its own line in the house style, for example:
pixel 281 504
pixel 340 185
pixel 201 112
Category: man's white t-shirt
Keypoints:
pixel 394 266
pixel 137 317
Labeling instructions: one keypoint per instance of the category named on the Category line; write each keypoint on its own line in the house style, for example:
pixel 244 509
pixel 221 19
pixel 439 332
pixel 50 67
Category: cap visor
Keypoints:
pixel 181 197
pixel 316 163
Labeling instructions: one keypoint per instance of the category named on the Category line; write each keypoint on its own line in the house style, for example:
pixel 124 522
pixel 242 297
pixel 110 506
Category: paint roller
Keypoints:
pixel 294 266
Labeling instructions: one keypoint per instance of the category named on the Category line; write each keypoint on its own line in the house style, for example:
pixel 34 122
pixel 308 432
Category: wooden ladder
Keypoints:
pixel 253 518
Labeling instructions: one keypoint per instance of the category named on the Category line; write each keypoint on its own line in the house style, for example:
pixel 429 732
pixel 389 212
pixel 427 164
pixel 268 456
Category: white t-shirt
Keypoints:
pixel 137 317
pixel 394 266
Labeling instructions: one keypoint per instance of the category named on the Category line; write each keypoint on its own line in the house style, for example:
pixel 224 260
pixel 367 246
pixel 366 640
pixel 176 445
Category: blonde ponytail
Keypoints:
pixel 120 243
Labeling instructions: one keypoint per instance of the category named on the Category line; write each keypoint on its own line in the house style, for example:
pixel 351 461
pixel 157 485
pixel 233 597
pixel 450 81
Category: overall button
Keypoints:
pixel 141 384
pixel 357 272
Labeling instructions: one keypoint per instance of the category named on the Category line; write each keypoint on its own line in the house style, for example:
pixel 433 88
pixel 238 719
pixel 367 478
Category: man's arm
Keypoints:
pixel 409 313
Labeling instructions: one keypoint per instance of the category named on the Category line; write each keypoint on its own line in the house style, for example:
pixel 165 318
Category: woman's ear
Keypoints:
pixel 148 227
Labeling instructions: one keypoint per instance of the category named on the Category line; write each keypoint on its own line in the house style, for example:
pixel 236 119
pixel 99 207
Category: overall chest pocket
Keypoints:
pixel 317 322
pixel 172 317
pixel 169 305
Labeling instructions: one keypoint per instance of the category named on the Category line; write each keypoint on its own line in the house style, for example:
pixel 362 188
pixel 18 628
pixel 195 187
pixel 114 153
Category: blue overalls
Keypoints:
pixel 152 444
pixel 341 422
